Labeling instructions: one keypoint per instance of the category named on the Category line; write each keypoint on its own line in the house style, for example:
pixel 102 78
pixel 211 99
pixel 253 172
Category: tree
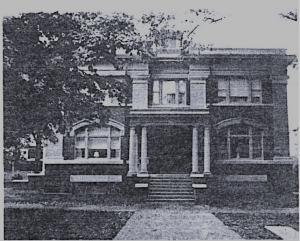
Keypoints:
pixel 45 89
pixel 45 85
pixel 290 15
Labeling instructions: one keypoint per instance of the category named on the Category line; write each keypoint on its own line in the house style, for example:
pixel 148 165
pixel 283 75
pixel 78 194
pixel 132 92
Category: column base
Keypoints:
pixel 131 174
pixel 207 174
pixel 144 172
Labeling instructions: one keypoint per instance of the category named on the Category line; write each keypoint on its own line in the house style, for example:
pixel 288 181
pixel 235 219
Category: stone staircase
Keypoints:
pixel 170 188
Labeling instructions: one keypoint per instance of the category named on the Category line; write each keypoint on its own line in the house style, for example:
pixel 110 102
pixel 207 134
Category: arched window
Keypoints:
pixel 240 140
pixel 95 142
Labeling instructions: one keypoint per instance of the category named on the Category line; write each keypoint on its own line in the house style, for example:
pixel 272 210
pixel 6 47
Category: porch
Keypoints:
pixel 169 149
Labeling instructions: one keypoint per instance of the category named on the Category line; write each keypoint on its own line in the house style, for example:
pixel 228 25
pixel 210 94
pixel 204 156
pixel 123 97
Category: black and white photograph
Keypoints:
pixel 150 120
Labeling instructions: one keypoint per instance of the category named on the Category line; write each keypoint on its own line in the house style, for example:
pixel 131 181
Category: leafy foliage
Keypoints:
pixel 290 15
pixel 49 66
pixel 45 89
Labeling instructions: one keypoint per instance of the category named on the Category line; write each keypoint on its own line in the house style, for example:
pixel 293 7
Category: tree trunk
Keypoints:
pixel 38 150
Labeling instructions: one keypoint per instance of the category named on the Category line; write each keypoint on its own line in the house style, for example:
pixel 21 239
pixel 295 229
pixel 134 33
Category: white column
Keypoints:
pixel 250 143
pixel 86 152
pixel 228 144
pixel 195 168
pixel 206 151
pixel 262 145
pixel 144 150
pixel 108 143
pixel 136 154
pixel 131 152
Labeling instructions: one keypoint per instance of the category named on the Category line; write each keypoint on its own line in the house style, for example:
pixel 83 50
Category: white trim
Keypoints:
pixel 141 185
pixel 239 73
pixel 170 76
pixel 170 112
pixel 241 104
pixel 19 180
pixel 111 122
pixel 85 161
pixel 246 178
pixel 249 161
pixel 36 174
pixel 199 185
pixel 196 175
pixel 197 81
pixel 142 175
pixel 95 178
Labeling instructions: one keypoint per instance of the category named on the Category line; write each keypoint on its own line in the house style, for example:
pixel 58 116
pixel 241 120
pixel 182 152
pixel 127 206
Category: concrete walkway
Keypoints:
pixel 170 224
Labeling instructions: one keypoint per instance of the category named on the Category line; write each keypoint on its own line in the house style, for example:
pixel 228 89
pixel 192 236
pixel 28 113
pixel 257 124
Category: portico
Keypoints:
pixel 198 141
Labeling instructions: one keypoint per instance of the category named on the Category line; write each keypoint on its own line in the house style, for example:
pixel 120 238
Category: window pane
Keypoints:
pixel 169 92
pixel 239 147
pixel 104 131
pixel 256 85
pixel 156 86
pixel 239 99
pixel 239 88
pixel 256 147
pixel 80 153
pixel 223 85
pixel 222 93
pixel 182 92
pixel 80 142
pixel 114 132
pixel 97 143
pixel 97 153
pixel 115 143
pixel 80 132
pixel 239 130
pixel 156 98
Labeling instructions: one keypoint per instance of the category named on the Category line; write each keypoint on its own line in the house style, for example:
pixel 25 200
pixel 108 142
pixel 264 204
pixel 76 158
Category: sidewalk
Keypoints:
pixel 169 224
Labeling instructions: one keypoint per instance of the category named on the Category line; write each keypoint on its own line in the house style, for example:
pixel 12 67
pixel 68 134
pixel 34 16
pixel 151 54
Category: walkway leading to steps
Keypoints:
pixel 171 224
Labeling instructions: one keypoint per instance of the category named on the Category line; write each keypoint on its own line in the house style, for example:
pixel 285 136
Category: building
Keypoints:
pixel 208 115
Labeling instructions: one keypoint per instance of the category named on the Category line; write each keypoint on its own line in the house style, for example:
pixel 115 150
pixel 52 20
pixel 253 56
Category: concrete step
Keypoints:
pixel 169 175
pixel 171 191
pixel 165 195
pixel 183 195
pixel 154 200
pixel 151 186
pixel 170 180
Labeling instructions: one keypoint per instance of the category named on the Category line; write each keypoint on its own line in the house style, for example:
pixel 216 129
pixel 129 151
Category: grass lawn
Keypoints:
pixel 251 226
pixel 268 200
pixel 45 224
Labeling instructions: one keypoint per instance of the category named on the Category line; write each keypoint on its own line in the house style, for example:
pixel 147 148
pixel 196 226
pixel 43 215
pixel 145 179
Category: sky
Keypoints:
pixel 247 24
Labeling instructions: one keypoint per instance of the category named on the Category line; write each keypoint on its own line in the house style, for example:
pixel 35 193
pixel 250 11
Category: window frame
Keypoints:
pixel 250 96
pixel 252 134
pixel 109 137
pixel 177 93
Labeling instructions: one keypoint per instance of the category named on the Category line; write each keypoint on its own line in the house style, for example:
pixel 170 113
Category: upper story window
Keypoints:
pixel 239 91
pixel 170 92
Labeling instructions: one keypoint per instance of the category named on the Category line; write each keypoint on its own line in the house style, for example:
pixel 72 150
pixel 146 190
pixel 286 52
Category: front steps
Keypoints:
pixel 170 188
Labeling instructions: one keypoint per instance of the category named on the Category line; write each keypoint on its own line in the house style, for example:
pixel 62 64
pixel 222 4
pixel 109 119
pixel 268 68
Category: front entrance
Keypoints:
pixel 170 149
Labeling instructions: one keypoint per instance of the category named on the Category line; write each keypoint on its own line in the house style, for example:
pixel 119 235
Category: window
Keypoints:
pixel 171 92
pixel 241 141
pixel 94 142
pixel 239 91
